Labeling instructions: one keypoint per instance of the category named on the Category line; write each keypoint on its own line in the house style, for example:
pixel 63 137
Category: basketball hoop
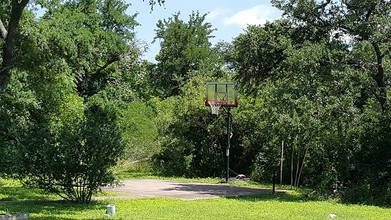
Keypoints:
pixel 215 106
pixel 223 94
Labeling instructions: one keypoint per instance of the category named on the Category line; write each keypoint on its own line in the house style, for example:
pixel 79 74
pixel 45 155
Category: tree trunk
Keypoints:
pixel 292 169
pixel 301 167
pixel 3 30
pixel 379 78
pixel 297 168
pixel 8 34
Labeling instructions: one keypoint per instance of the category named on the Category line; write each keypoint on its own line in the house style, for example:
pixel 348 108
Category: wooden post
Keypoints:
pixel 282 160
pixel 274 182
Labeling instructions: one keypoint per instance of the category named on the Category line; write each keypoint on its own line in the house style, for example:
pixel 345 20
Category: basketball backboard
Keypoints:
pixel 224 93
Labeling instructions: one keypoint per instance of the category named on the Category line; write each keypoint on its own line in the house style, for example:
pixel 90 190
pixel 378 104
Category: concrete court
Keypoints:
pixel 181 190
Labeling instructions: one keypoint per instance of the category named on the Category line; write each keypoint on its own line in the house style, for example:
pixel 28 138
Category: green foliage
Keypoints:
pixel 316 82
pixel 350 23
pixel 16 105
pixel 92 38
pixel 139 132
pixel 371 169
pixel 189 147
pixel 67 95
pixel 185 47
pixel 257 54
pixel 321 78
pixel 73 159
pixel 194 141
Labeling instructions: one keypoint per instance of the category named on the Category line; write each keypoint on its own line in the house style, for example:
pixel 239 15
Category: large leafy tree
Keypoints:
pixel 295 79
pixel 361 23
pixel 257 54
pixel 185 47
pixel 67 91
pixel 11 12
pixel 322 74
pixel 92 38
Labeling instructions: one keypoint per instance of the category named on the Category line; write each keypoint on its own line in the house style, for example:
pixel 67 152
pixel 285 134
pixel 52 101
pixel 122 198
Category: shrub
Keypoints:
pixel 74 160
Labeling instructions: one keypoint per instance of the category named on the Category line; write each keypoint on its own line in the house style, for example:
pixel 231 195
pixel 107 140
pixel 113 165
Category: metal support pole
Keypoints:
pixel 274 182
pixel 228 141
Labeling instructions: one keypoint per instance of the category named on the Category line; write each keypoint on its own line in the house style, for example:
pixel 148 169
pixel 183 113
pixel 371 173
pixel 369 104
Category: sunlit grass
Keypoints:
pixel 260 207
pixel 292 205
pixel 14 198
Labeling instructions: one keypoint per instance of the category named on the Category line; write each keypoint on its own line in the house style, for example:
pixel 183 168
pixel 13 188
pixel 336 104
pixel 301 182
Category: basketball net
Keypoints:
pixel 215 106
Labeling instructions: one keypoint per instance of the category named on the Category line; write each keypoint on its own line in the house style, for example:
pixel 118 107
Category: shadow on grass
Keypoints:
pixel 49 209
pixel 300 197
pixel 283 197
pixel 21 193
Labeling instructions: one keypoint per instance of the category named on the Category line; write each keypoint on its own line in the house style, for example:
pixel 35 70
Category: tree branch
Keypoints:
pixel 323 5
pixel 8 47
pixel 379 78
pixel 113 59
pixel 3 31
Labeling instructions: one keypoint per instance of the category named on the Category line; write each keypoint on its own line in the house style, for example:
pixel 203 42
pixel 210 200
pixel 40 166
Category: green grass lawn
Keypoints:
pixel 263 207
pixel 16 199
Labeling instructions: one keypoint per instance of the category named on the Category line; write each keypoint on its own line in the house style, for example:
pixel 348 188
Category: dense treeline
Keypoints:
pixel 67 81
pixel 314 97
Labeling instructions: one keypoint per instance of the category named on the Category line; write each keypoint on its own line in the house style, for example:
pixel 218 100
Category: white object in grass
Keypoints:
pixel 110 210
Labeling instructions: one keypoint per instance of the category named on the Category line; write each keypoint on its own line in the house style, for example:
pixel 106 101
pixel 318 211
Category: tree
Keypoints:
pixel 139 132
pixel 7 33
pixel 92 50
pixel 11 15
pixel 185 47
pixel 363 28
pixel 152 3
pixel 192 141
pixel 68 90
pixel 73 157
pixel 362 22
pixel 16 104
pixel 257 54
pixel 317 73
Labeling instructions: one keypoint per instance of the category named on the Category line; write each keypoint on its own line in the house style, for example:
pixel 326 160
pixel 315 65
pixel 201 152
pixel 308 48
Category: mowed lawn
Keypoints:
pixel 224 208
pixel 279 206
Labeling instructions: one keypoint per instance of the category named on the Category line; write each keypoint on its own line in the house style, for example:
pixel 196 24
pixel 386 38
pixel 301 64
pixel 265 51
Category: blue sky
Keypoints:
pixel 229 17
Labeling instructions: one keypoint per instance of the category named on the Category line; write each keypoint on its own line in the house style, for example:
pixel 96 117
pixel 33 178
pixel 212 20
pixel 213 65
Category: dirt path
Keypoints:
pixel 181 190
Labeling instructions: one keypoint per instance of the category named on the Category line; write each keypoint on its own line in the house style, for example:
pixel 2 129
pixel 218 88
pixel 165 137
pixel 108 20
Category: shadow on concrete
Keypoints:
pixel 219 190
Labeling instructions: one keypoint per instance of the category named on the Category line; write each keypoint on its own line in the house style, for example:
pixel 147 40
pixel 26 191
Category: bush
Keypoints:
pixel 16 104
pixel 74 159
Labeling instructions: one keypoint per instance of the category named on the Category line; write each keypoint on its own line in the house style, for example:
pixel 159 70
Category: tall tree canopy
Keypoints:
pixel 360 23
pixel 185 47
pixel 323 75
pixel 60 115
pixel 11 12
